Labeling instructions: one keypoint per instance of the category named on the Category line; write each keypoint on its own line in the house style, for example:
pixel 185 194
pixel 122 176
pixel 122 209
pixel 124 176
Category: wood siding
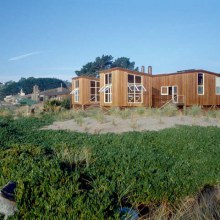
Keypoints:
pixel 120 89
pixel 187 87
pixel 84 91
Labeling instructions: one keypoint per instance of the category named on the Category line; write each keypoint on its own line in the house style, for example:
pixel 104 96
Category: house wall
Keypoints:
pixel 120 89
pixel 84 90
pixel 187 86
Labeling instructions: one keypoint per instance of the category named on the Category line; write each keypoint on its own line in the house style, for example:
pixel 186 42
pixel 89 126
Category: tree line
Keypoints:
pixel 26 84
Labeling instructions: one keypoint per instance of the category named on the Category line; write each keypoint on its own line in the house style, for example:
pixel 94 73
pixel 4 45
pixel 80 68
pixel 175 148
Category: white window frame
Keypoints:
pixel 107 88
pixel 162 93
pixel 217 85
pixel 76 90
pixel 96 95
pixel 135 91
pixel 201 86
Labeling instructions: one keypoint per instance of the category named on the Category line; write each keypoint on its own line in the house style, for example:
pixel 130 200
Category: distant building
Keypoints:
pixel 59 93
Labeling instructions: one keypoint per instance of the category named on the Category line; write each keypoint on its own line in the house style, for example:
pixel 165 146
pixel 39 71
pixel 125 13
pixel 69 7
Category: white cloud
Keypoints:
pixel 24 56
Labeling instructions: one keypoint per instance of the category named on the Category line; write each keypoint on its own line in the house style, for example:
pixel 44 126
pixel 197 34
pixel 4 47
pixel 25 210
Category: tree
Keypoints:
pixel 93 68
pixel 105 62
pixel 13 88
pixel 124 62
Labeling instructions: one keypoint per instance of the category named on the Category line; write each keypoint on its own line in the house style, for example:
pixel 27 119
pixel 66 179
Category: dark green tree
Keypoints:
pixel 13 88
pixel 105 62
pixel 124 62
pixel 93 68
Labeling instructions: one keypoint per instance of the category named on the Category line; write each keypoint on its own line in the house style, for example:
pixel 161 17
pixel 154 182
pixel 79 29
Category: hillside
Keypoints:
pixel 13 88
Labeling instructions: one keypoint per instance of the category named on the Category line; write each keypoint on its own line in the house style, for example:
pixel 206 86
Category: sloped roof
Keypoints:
pixel 55 92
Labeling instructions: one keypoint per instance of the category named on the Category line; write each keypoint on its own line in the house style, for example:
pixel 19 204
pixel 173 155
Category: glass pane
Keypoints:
pixel 106 78
pixel 98 84
pixel 130 78
pixel 141 88
pixel 218 90
pixel 164 90
pixel 76 83
pixel 137 79
pixel 98 98
pixel 92 98
pixel 97 90
pixel 130 97
pixel 138 98
pixel 92 83
pixel 107 90
pixel 106 97
pixel 131 88
pixel 92 91
pixel 200 79
pixel 110 78
pixel 170 90
pixel 200 90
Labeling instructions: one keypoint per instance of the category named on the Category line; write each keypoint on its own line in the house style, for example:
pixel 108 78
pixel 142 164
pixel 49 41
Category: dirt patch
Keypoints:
pixel 115 124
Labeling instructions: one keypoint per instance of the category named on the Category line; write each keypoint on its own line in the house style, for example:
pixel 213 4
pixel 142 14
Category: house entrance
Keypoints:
pixel 172 90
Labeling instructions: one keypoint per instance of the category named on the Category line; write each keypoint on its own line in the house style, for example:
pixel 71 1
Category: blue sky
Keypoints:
pixel 53 38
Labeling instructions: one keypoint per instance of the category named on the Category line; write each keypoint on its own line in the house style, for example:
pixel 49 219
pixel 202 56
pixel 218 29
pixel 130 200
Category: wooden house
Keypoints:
pixel 186 88
pixel 125 88
pixel 85 91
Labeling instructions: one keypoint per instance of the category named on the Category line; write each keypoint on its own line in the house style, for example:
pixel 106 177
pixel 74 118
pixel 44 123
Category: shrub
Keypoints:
pixel 170 110
pixel 194 111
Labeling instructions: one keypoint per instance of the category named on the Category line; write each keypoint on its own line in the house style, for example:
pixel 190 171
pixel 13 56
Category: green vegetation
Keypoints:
pixel 66 175
pixel 13 88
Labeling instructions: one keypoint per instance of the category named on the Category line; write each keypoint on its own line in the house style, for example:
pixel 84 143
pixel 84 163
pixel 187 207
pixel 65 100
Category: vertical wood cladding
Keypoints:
pixel 84 90
pixel 187 84
pixel 120 88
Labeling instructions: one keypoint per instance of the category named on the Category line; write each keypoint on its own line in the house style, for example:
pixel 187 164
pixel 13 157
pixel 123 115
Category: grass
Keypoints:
pixel 69 174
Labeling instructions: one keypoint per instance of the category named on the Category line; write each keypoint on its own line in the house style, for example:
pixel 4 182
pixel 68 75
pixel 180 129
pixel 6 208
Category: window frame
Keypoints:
pixel 161 90
pixel 133 92
pixel 201 86
pixel 217 77
pixel 96 94
pixel 107 88
pixel 76 90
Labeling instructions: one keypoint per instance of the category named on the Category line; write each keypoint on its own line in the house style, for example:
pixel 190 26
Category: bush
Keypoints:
pixel 61 178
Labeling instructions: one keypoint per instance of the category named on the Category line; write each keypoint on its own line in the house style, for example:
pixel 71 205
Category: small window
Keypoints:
pixel 217 85
pixel 76 84
pixel 164 90
pixel 200 87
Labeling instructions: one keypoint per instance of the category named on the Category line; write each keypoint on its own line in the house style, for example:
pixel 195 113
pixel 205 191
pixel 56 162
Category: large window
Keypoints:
pixel 107 88
pixel 135 89
pixel 200 87
pixel 75 92
pixel 217 85
pixel 94 91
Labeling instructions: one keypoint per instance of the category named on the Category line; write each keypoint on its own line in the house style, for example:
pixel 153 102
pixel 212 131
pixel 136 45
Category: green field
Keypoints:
pixel 70 175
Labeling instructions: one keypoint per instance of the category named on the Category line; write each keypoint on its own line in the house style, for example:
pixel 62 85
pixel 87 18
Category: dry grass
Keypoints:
pixel 203 206
pixel 74 158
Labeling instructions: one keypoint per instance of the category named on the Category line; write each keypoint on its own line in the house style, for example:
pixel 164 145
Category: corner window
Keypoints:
pixel 200 86
pixel 217 85
pixel 94 91
pixel 135 89
pixel 75 92
pixel 107 88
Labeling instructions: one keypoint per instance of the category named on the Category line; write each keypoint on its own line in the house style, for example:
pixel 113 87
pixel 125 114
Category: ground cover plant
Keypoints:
pixel 63 174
